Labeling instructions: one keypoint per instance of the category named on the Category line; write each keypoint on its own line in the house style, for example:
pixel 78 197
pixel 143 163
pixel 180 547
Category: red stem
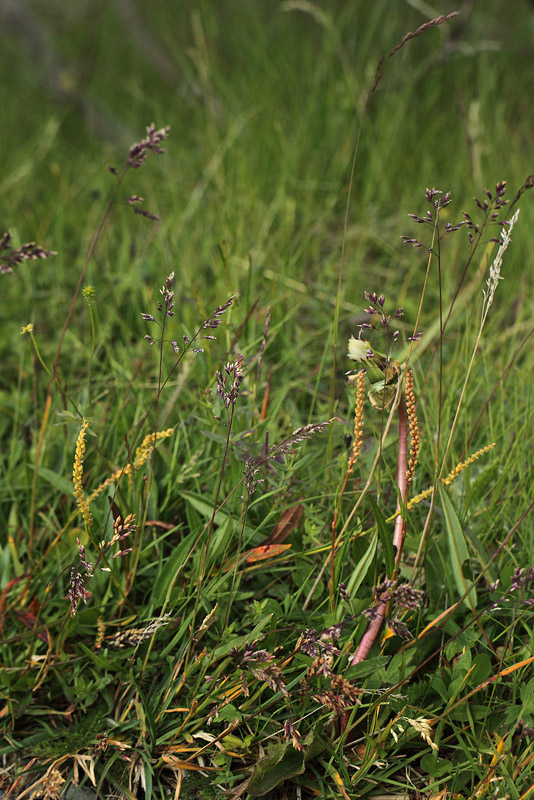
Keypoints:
pixel 372 631
pixel 334 531
pixel 402 481
pixel 399 533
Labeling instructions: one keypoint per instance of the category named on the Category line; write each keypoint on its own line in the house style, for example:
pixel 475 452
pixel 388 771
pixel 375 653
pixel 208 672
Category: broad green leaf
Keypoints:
pixel 436 767
pixel 282 763
pixel 363 565
pixel 458 551
pixel 386 538
pixel 527 696
pixel 170 569
pixel 58 481
pixel 368 667
pixel 482 669
pixel 397 667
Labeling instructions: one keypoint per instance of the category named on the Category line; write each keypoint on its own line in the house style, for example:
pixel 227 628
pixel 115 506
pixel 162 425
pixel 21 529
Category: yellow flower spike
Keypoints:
pixel 358 421
pixel 463 464
pixel 453 474
pixel 414 426
pixel 149 442
pixel 141 455
pixel 77 476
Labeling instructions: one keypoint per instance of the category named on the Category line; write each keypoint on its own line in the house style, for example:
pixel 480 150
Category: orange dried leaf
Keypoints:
pixel 266 551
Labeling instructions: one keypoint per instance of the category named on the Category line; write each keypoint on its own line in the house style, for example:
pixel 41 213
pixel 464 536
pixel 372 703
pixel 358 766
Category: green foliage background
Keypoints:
pixel 265 100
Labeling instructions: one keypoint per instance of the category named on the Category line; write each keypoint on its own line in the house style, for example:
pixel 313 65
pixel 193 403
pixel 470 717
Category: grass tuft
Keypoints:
pixel 262 574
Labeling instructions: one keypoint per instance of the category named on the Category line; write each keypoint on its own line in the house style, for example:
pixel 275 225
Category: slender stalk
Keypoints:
pixel 53 374
pixel 377 76
pixel 356 445
pixel 201 571
pixel 379 611
pixel 91 353
pixel 488 300
pixel 168 297
pixel 402 481
pixel 356 506
pixel 230 395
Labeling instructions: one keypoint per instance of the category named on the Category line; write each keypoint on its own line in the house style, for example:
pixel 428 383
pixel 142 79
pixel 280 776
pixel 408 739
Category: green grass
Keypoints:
pixel 265 102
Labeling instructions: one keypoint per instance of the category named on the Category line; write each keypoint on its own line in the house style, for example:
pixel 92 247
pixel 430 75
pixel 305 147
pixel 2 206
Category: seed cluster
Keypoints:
pixel 77 476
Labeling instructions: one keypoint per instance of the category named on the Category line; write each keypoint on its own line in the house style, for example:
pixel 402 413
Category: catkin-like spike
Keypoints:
pixel 142 453
pixel 414 427
pixel 358 420
pixel 147 445
pixel 419 497
pixel 463 464
pixel 77 476
pixel 113 478
pixel 453 474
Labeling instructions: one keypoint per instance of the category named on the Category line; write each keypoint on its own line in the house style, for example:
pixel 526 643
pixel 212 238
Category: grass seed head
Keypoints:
pixel 77 476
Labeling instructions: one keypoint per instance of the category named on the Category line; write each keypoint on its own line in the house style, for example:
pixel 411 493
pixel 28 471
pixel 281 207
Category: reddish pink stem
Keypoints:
pixel 372 631
pixel 402 481
pixel 398 539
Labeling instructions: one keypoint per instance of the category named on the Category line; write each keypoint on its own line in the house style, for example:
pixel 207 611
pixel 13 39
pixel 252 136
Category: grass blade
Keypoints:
pixel 457 548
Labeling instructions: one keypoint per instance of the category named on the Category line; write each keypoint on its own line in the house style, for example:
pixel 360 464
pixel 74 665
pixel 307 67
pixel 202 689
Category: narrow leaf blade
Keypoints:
pixel 458 550
pixel 385 538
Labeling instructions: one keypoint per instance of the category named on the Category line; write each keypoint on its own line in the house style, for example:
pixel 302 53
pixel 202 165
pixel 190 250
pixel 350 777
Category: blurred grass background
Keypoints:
pixel 264 100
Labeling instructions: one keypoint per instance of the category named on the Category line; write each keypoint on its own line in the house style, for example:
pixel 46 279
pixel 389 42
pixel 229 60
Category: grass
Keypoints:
pixel 228 639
